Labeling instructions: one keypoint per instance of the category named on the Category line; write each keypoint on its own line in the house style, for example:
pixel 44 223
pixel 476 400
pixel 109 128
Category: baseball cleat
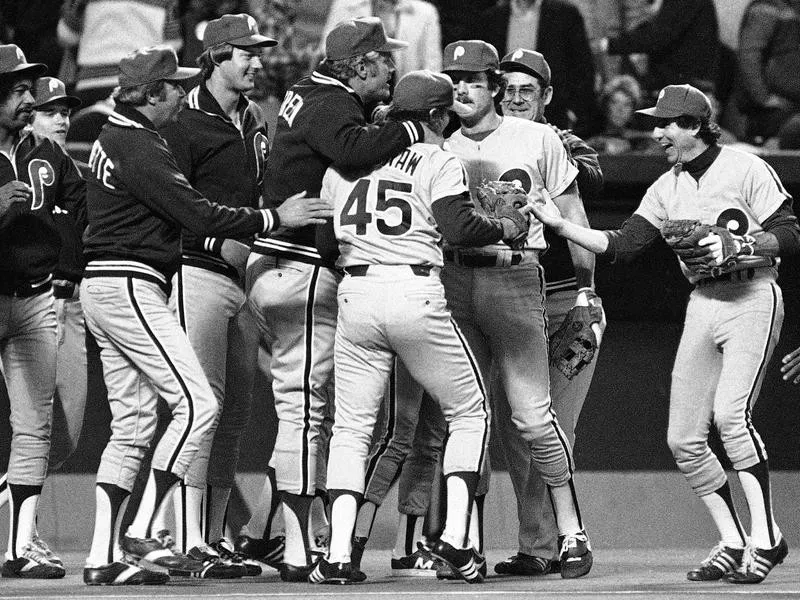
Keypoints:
pixel 523 564
pixel 295 574
pixel 165 537
pixel 758 562
pixel 418 564
pixel 32 564
pixel 331 573
pixel 356 553
pixel 466 563
pixel 152 551
pixel 576 555
pixel 119 573
pixel 45 549
pixel 226 551
pixel 721 561
pixel 214 567
pixel 269 551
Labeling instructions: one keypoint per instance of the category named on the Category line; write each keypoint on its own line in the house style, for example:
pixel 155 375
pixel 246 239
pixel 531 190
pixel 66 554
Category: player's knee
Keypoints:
pixel 685 448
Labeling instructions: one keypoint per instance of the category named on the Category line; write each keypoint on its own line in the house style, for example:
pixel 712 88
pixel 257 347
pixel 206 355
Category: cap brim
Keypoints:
pixel 249 41
pixel 513 66
pixel 69 101
pixel 655 113
pixel 392 44
pixel 183 73
pixel 32 69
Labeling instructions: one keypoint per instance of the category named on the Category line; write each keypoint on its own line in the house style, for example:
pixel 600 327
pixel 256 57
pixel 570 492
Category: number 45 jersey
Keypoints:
pixel 29 238
pixel 384 217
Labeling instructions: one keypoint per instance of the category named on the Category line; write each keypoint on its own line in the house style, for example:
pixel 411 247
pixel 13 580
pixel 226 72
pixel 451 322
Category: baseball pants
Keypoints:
pixel 294 304
pixel 211 308
pixel 69 403
pixel 146 354
pixel 28 351
pixel 538 531
pixel 730 332
pixel 501 312
pixel 391 312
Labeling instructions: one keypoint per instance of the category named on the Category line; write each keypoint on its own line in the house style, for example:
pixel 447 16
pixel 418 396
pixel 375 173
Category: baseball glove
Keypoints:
pixel 574 344
pixel 503 200
pixel 684 235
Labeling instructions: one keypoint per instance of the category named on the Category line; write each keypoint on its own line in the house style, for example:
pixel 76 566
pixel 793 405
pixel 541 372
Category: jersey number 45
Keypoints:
pixel 355 210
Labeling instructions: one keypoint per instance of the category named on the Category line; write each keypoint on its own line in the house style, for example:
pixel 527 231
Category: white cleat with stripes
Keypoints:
pixel 465 562
pixel 721 561
pixel 758 562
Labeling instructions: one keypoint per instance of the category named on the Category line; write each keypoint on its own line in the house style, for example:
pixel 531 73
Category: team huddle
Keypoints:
pixel 446 281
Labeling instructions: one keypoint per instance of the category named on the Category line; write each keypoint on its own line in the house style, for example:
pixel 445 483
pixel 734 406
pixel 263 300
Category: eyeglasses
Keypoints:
pixel 526 94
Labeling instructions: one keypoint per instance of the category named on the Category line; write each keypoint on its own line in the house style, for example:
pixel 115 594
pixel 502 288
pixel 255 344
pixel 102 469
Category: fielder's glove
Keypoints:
pixel 503 200
pixel 714 255
pixel 574 344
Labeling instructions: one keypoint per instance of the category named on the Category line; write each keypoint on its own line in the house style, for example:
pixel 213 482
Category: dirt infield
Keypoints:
pixel 652 574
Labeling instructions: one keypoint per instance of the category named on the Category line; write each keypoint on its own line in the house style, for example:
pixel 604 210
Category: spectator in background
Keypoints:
pixel 103 33
pixel 621 96
pixel 556 29
pixel 769 54
pixel 457 17
pixel 681 41
pixel 412 21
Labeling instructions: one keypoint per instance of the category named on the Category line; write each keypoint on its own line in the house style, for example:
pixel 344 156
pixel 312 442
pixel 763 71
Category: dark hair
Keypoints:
pixel 9 80
pixel 211 57
pixel 137 95
pixel 709 131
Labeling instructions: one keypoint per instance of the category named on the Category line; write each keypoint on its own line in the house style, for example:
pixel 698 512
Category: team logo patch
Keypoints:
pixel 52 85
pixel 518 177
pixel 20 55
pixel 518 54
pixel 661 94
pixel 458 52
pixel 734 220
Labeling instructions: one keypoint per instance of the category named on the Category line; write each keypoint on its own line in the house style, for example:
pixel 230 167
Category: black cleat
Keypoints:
pixel 523 564
pixel 152 551
pixel 331 573
pixel 266 551
pixel 214 566
pixel 722 561
pixel 421 563
pixel 758 562
pixel 32 564
pixel 576 555
pixel 119 573
pixel 295 574
pixel 466 563
pixel 226 552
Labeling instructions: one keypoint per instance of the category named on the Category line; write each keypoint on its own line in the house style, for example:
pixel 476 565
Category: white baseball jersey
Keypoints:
pixel 385 217
pixel 738 191
pixel 519 150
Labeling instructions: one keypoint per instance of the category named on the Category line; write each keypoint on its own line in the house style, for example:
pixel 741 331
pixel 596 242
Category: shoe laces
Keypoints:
pixel 35 554
pixel 716 551
pixel 748 559
pixel 165 537
pixel 42 545
pixel 571 541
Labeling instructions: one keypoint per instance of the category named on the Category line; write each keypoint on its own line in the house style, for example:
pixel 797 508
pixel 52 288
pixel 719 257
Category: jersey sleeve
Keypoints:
pixel 651 207
pixel 557 170
pixel 764 192
pixel 450 178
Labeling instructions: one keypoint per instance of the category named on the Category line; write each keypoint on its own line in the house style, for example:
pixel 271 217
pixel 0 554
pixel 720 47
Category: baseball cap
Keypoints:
pixel 678 100
pixel 421 90
pixel 12 60
pixel 527 61
pixel 147 65
pixel 352 37
pixel 49 90
pixel 470 55
pixel 237 30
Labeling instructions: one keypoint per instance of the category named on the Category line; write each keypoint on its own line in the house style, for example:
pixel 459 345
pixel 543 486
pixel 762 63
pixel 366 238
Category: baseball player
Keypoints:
pixel 50 119
pixel 220 143
pixel 291 280
pixel 570 282
pixel 496 294
pixel 138 200
pixel 37 179
pixel 733 318
pixel 391 303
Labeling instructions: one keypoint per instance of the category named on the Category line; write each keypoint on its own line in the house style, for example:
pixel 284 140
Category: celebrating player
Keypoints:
pixel 744 220
pixel 496 293
pixel 292 285
pixel 391 302
pixel 220 143
pixel 138 201
pixel 37 179
pixel 569 283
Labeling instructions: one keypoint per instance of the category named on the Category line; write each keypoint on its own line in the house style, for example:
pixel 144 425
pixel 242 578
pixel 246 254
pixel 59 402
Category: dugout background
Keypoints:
pixel 623 423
